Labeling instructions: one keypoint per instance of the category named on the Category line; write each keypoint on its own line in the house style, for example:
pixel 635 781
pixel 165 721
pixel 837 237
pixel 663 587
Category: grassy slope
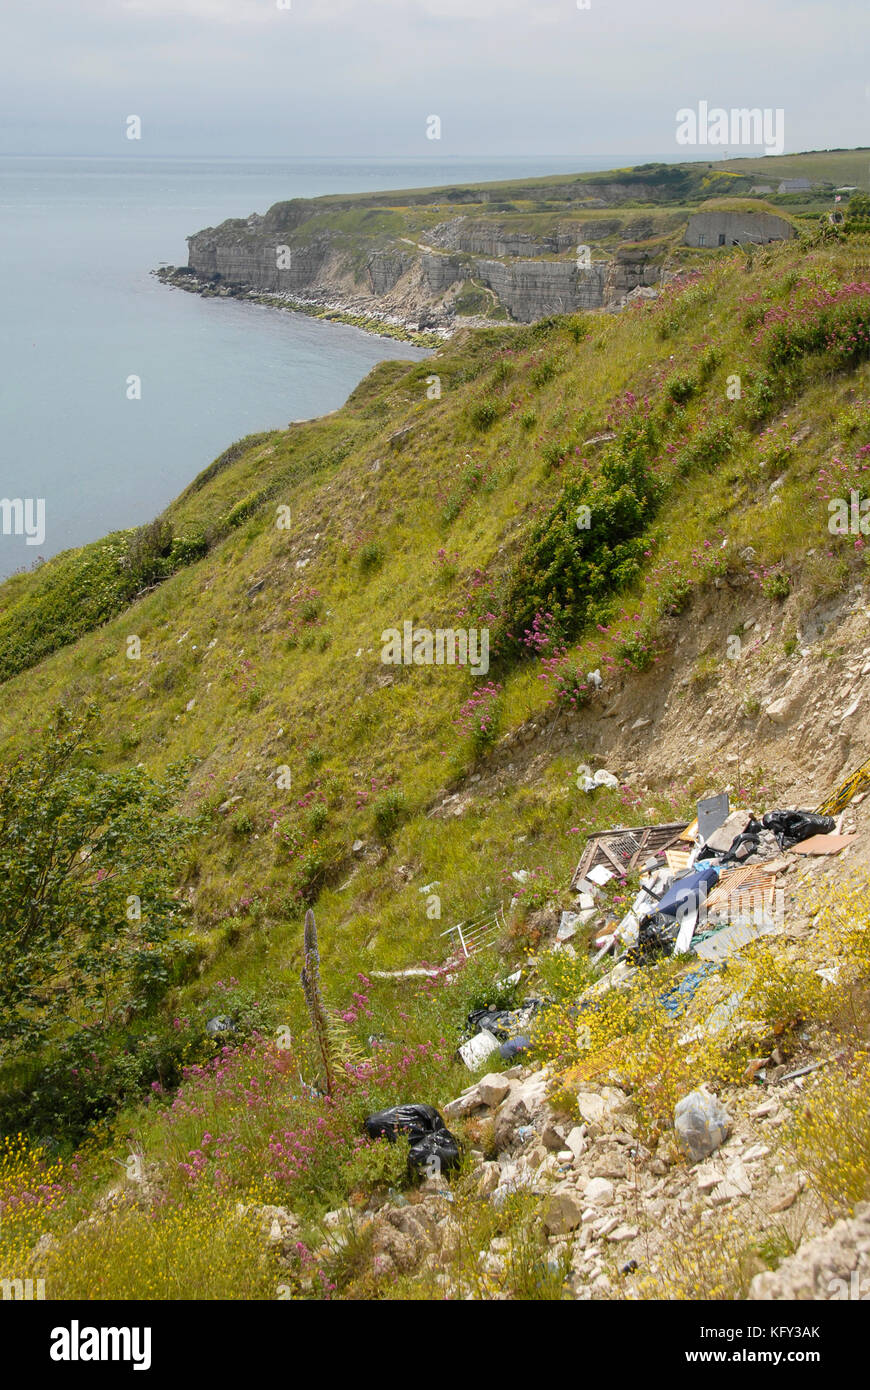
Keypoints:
pixel 253 665
pixel 245 681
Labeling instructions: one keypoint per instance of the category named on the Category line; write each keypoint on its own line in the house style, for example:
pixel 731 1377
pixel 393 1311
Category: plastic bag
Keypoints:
pixel 433 1148
pixel 216 1026
pixel 656 936
pixel 702 1123
pixel 790 827
pixel 504 1023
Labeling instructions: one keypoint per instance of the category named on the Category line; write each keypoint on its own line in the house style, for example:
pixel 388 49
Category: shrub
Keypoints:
pixel 371 557
pixel 776 584
pixel 564 570
pixel 80 849
pixel 388 812
pixel 483 415
pixel 553 455
pixel 148 553
pixel 544 373
pixel 186 550
pixel 838 1105
pixel 479 717
pixel 681 388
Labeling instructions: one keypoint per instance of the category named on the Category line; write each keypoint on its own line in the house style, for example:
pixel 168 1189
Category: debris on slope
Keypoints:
pixel 835 1265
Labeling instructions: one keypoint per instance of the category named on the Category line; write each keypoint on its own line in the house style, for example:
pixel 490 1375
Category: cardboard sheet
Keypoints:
pixel 823 844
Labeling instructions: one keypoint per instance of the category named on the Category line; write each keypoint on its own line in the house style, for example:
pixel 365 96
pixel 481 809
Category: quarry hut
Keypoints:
pixel 720 227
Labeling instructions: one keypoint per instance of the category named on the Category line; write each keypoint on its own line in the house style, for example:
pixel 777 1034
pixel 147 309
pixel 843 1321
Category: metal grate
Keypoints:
pixel 478 933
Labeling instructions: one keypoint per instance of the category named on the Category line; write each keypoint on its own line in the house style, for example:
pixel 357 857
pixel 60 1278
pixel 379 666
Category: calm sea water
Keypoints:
pixel 80 313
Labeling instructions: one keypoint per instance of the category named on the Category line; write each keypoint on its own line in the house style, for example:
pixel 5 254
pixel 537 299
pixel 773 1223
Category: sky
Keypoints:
pixel 362 77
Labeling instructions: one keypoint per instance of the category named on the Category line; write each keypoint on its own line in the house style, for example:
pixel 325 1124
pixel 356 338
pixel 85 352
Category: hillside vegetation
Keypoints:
pixel 228 659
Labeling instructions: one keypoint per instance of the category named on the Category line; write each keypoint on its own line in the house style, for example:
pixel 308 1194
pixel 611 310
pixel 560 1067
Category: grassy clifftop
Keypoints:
pixel 705 432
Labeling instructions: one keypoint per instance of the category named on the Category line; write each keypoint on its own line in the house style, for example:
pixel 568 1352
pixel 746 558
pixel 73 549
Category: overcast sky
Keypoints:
pixel 360 77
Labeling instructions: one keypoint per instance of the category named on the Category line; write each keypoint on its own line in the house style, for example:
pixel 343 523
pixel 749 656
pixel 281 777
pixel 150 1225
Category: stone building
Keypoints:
pixel 719 227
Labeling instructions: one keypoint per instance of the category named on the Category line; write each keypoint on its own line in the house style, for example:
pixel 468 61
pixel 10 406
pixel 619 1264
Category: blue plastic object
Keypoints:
pixel 692 887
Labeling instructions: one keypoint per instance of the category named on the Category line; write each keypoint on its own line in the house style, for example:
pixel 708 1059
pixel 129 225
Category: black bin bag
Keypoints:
pixel 433 1147
pixel 790 827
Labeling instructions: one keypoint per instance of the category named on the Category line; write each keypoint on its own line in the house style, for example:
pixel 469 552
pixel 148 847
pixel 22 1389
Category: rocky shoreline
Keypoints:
pixel 321 304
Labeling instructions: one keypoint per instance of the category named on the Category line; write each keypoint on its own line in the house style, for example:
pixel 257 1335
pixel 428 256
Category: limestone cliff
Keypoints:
pixel 424 258
pixel 477 270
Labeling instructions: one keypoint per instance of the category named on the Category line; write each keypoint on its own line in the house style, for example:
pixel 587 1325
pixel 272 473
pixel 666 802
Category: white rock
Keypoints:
pixel 599 1191
pixel 757 1151
pixel 492 1088
pixel 576 1141
pixel 737 1176
pixel 623 1233
pixel 594 1106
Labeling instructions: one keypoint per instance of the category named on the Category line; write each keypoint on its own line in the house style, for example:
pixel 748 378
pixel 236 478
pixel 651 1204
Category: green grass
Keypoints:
pixel 264 654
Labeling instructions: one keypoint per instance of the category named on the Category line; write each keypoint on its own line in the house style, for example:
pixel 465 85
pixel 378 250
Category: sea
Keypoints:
pixel 81 315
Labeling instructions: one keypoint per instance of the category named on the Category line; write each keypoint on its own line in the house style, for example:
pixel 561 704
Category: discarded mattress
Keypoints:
pixel 687 892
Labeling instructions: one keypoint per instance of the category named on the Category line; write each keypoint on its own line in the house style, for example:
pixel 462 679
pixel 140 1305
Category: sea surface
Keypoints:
pixel 80 313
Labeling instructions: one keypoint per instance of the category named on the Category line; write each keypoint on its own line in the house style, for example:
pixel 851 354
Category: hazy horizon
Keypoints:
pixel 324 78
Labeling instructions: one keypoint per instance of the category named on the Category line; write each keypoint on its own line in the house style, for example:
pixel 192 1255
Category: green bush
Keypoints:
pixel 88 862
pixel 371 557
pixel 681 388
pixel 388 812
pixel 483 415
pixel 242 823
pixel 545 373
pixel 568 571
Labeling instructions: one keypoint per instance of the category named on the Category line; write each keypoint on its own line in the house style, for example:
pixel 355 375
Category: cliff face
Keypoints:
pixel 402 278
pixel 249 256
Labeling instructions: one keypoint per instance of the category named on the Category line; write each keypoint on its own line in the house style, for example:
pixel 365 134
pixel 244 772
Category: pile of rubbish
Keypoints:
pixel 506 1031
pixel 708 887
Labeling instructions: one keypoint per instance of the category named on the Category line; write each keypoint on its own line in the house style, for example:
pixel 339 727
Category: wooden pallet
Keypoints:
pixel 751 879
pixel 621 850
